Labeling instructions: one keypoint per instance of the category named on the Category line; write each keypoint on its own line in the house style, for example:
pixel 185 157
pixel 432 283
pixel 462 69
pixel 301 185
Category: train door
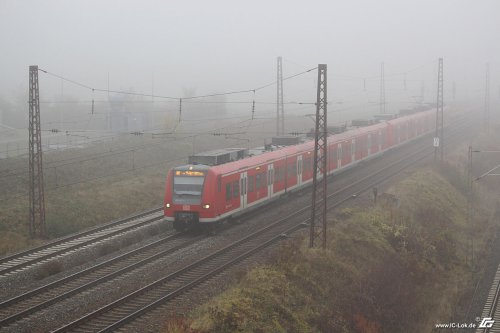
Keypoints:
pixel 299 169
pixel 369 148
pixel 339 156
pixel 353 150
pixel 243 189
pixel 380 140
pixel 270 180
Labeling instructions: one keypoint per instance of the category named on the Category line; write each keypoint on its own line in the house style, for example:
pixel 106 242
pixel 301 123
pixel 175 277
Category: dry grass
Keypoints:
pixel 381 272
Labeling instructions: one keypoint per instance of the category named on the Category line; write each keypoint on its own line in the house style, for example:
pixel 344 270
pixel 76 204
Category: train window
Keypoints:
pixel 347 150
pixel 292 170
pixel 219 185
pixel 278 174
pixel 228 191
pixel 250 183
pixel 257 181
pixel 236 189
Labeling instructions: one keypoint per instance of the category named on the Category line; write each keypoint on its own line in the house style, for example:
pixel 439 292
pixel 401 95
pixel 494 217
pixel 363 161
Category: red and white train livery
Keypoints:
pixel 200 194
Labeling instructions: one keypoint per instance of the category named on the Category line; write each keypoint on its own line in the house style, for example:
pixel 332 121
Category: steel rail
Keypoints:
pixel 491 310
pixel 92 276
pixel 36 255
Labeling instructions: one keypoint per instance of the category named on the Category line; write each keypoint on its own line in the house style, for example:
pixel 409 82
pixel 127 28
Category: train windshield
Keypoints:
pixel 188 186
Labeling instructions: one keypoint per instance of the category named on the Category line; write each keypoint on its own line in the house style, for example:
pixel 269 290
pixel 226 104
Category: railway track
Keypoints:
pixel 22 260
pixel 491 310
pixel 164 290
pixel 24 305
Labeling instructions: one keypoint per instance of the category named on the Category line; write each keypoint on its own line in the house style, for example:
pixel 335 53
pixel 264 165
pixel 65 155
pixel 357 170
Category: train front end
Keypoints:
pixel 187 200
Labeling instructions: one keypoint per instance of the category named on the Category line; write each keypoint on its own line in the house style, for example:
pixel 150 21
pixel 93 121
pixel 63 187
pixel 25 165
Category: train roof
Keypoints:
pixel 269 156
pixel 409 117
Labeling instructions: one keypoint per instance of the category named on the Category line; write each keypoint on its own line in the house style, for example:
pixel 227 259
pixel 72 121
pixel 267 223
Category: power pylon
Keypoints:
pixel 382 89
pixel 280 110
pixel 36 190
pixel 486 116
pixel 422 92
pixel 438 137
pixel 318 210
pixel 470 207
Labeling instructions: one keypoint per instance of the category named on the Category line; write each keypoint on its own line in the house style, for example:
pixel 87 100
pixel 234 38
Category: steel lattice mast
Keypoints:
pixel 382 89
pixel 438 137
pixel 36 190
pixel 280 110
pixel 486 117
pixel 318 211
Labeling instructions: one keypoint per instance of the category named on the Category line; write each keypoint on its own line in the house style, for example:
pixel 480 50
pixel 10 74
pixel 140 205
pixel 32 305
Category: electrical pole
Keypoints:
pixel 382 89
pixel 438 137
pixel 318 210
pixel 280 111
pixel 470 206
pixel 486 117
pixel 108 118
pixel 422 92
pixel 36 190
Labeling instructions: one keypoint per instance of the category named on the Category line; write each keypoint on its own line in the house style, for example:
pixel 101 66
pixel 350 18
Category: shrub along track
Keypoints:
pixel 20 261
pixel 165 290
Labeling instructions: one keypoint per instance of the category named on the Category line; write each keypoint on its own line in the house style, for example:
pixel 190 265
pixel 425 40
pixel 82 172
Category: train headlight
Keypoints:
pixel 167 205
pixel 206 206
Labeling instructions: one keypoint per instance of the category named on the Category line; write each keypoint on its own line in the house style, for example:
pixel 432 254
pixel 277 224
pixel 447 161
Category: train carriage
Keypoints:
pixel 198 194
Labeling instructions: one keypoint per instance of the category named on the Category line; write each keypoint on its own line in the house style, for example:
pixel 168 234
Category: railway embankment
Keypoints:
pixel 402 264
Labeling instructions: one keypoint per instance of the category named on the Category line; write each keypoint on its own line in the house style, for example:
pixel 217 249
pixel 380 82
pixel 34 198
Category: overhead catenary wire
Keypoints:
pixel 78 159
pixel 191 99
pixel 170 97
pixel 109 136
pixel 134 169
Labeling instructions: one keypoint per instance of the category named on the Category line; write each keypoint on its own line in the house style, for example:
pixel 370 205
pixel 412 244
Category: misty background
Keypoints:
pixel 183 49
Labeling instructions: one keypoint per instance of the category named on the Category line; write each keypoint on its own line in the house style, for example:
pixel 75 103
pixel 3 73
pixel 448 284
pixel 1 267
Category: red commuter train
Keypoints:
pixel 198 194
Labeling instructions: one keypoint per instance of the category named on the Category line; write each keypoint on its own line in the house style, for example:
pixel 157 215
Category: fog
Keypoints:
pixel 179 48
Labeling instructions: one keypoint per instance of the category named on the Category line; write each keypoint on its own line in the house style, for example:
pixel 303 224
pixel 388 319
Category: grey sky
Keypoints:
pixel 232 45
